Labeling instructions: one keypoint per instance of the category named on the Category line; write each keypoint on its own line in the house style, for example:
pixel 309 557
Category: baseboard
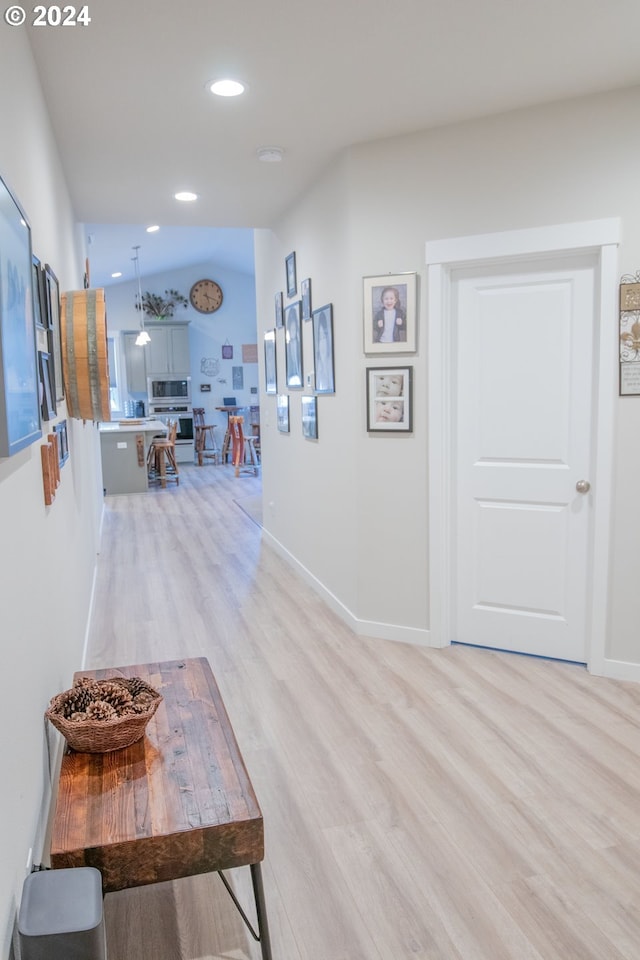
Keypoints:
pixel 621 670
pixel 364 628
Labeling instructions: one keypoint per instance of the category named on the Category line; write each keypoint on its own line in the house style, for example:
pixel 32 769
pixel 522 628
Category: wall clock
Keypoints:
pixel 206 296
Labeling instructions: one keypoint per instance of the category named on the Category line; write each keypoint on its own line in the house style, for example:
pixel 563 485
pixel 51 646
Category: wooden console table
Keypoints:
pixel 178 802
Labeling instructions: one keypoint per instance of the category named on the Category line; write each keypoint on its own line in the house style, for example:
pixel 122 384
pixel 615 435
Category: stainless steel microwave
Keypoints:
pixel 168 388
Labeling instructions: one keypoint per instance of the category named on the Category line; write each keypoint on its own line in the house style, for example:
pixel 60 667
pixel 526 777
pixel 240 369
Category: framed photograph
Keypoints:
pixel 310 417
pixel 19 374
pixel 283 413
pixel 279 309
pixel 389 399
pixel 60 431
pixel 292 283
pixel 39 296
pixel 52 290
pixel 389 312
pixel 48 404
pixel 305 293
pixel 323 349
pixel 293 344
pixel 270 367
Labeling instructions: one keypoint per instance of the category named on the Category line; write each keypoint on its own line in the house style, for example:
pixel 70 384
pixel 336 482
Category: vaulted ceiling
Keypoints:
pixel 135 123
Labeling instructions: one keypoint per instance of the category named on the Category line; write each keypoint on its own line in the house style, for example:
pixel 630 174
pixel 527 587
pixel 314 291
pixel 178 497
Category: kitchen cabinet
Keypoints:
pixel 168 351
pixel 135 363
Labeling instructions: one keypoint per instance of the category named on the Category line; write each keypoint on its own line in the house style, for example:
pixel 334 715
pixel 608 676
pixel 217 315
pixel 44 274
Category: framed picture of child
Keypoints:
pixel 389 313
pixel 389 399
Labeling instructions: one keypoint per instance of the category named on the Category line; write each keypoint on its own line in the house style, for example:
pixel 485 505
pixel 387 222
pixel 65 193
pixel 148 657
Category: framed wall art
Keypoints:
pixel 279 309
pixel 39 297
pixel 389 399
pixel 323 349
pixel 293 344
pixel 389 313
pixel 305 293
pixel 290 266
pixel 48 404
pixel 62 436
pixel 19 374
pixel 270 367
pixel 310 417
pixel 629 338
pixel 283 413
pixel 52 290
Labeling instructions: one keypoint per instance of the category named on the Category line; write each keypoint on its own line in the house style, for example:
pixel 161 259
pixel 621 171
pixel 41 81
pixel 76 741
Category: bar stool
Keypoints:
pixel 242 448
pixel 202 431
pixel 161 459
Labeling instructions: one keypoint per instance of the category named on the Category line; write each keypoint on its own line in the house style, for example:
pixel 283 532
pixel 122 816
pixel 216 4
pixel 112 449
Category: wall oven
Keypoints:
pixel 165 389
pixel 183 413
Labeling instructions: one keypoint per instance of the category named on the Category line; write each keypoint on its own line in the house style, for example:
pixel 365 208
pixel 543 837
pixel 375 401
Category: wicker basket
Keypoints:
pixel 103 736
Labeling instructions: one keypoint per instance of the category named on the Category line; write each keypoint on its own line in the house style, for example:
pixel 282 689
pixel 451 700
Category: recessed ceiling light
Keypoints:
pixel 270 154
pixel 118 273
pixel 153 229
pixel 186 196
pixel 227 88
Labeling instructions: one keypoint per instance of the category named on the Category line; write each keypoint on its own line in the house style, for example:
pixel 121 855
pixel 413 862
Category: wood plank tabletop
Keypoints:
pixel 176 803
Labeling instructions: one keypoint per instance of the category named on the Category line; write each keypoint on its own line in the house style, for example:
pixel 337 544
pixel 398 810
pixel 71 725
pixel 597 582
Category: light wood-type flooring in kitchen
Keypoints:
pixel 456 804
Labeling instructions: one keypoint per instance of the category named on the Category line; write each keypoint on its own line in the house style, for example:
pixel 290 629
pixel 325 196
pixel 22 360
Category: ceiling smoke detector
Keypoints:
pixel 270 154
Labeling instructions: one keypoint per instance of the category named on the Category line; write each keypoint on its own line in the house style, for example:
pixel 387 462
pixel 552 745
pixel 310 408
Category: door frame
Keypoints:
pixel 601 237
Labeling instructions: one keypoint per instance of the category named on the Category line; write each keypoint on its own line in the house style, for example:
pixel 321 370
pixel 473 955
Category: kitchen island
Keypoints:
pixel 124 446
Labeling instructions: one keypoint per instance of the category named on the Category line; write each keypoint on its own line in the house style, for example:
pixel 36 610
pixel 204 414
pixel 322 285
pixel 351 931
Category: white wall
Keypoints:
pixel 234 322
pixel 48 552
pixel 309 487
pixel 569 161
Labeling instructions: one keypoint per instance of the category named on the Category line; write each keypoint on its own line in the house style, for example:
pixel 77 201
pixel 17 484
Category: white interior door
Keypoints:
pixel 523 348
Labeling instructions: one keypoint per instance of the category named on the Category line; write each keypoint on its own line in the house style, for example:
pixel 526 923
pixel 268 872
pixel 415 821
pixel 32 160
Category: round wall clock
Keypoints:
pixel 206 296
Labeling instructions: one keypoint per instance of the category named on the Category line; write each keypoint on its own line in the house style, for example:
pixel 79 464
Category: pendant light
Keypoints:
pixel 143 337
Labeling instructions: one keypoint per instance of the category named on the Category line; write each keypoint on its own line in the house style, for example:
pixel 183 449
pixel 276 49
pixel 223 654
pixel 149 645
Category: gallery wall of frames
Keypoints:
pixel 31 380
pixel 389 310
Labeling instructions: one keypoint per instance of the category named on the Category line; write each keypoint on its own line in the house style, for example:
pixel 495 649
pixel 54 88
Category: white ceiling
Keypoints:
pixel 135 124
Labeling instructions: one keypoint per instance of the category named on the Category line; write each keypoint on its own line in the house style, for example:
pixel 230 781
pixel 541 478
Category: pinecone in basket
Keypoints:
pixel 116 694
pixel 73 701
pixel 89 684
pixel 137 685
pixel 101 710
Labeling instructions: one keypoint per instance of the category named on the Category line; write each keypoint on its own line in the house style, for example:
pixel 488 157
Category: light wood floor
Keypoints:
pixel 452 805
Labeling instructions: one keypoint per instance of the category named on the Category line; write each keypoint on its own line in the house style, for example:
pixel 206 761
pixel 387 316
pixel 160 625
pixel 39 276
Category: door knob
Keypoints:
pixel 583 486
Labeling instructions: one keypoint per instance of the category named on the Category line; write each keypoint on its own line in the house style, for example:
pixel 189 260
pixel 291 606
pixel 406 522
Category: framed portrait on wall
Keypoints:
pixel 52 289
pixel 293 344
pixel 389 313
pixel 305 293
pixel 270 367
pixel 389 399
pixel 279 309
pixel 323 349
pixel 290 269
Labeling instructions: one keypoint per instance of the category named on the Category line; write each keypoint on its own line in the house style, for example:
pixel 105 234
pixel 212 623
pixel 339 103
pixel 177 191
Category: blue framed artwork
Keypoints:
pixel 19 373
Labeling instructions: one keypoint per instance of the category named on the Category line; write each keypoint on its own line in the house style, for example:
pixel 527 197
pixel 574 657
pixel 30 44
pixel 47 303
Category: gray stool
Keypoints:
pixel 61 916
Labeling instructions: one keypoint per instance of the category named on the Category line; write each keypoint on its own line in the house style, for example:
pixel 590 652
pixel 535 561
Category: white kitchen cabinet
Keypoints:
pixel 168 351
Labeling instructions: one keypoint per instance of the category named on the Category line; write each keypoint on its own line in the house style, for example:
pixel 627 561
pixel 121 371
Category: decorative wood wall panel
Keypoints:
pixel 84 354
